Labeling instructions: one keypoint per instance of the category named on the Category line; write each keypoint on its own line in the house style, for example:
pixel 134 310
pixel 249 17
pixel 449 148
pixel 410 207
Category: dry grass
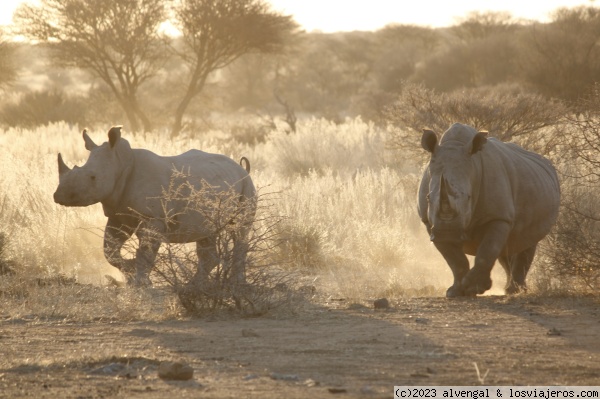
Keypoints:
pixel 347 210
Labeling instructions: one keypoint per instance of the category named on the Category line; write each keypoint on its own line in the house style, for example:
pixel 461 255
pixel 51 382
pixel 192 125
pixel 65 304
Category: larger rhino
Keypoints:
pixel 486 198
pixel 130 184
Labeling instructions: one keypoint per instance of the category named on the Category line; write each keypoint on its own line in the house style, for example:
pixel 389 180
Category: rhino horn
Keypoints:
pixel 114 134
pixel 62 167
pixel 89 143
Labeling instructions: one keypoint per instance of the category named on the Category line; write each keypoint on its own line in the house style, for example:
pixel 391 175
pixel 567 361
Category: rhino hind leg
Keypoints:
pixel 240 253
pixel 516 268
pixel 208 259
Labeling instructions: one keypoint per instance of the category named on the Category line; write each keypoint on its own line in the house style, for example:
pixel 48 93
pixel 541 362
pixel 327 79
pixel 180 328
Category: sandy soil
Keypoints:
pixel 334 349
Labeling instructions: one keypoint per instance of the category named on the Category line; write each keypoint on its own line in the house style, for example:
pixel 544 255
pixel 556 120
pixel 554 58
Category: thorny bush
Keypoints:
pixel 231 222
pixel 573 247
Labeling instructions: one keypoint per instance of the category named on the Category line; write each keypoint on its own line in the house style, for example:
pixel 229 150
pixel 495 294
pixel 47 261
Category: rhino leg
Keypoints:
pixel 145 255
pixel 240 252
pixel 208 259
pixel 459 264
pixel 115 236
pixel 478 279
pixel 516 268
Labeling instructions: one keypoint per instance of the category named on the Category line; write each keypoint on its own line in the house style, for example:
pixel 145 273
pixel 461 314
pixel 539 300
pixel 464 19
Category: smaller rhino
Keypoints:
pixel 129 183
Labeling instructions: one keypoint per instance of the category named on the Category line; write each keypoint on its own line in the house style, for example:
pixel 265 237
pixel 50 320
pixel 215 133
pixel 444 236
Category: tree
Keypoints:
pixel 8 71
pixel 562 58
pixel 117 40
pixel 507 112
pixel 480 25
pixel 216 33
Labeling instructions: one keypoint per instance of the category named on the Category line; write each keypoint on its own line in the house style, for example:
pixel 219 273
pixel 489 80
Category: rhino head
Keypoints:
pixel 96 180
pixel 452 181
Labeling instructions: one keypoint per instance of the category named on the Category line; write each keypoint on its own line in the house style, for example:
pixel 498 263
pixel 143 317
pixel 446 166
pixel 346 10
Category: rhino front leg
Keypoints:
pixel 115 236
pixel 145 256
pixel 478 279
pixel 459 264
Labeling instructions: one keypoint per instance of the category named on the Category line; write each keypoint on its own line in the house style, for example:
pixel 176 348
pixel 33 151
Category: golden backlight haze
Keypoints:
pixel 343 15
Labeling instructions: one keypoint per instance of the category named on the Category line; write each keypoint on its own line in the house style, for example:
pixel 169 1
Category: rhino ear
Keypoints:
pixel 114 134
pixel 62 167
pixel 89 143
pixel 478 142
pixel 429 140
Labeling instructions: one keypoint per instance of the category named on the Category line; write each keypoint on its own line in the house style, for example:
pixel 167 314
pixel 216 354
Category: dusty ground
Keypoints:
pixel 333 349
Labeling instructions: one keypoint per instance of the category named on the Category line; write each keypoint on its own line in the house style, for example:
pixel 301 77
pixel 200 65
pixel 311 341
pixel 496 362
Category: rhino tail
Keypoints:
pixel 243 161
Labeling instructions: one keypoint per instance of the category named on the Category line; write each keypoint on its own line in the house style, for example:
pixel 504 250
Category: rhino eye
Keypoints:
pixel 93 178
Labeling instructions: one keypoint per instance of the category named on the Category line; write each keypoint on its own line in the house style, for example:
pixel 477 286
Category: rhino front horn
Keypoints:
pixel 62 167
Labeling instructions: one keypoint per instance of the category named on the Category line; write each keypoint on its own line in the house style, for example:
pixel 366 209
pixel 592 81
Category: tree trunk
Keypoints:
pixel 134 125
pixel 195 86
pixel 146 124
pixel 178 122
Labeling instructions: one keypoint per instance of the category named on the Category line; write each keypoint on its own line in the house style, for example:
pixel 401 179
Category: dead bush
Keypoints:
pixel 263 286
pixel 507 112
pixel 6 264
pixel 572 251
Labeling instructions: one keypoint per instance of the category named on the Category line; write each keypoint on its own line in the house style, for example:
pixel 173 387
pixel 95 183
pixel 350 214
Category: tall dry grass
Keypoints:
pixel 347 205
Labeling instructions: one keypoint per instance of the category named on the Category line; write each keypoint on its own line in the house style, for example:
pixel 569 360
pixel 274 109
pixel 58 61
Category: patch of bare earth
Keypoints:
pixel 334 349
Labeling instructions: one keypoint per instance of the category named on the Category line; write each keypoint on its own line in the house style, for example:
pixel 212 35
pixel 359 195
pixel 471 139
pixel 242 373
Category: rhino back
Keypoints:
pixel 520 187
pixel 152 173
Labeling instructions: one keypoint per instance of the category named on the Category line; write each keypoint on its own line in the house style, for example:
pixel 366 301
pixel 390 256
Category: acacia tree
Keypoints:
pixel 8 71
pixel 117 40
pixel 217 32
pixel 480 25
pixel 562 58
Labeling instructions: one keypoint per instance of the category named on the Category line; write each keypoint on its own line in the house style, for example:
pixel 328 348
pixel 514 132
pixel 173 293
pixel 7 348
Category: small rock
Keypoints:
pixel 248 332
pixel 553 332
pixel 381 303
pixel 367 390
pixel 285 377
pixel 310 383
pixel 250 377
pixel 175 371
pixel 422 320
pixel 113 368
pixel 337 390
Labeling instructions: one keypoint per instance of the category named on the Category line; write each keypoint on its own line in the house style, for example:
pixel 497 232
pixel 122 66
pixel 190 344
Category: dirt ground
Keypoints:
pixel 332 349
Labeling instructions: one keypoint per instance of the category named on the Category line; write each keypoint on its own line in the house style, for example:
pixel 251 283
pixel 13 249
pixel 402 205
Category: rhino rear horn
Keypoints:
pixel 89 143
pixel 62 167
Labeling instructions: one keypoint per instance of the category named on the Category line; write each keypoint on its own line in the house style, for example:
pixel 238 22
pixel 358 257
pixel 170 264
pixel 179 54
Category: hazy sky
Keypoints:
pixel 336 15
